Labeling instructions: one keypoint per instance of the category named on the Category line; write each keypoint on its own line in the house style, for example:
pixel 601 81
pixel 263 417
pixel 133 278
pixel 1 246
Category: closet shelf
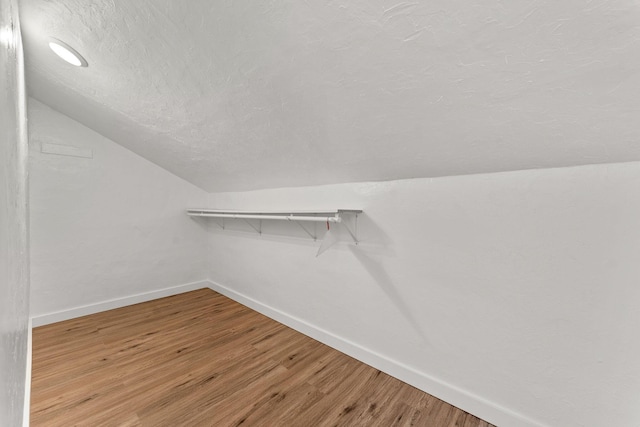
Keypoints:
pixel 334 215
pixel 297 216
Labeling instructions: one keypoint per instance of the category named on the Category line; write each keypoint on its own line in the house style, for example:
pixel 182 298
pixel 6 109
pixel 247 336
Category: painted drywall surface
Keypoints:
pixel 234 95
pixel 105 227
pixel 519 287
pixel 14 262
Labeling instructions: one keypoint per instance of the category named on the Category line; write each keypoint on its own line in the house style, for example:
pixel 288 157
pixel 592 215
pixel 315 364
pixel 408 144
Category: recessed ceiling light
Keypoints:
pixel 67 53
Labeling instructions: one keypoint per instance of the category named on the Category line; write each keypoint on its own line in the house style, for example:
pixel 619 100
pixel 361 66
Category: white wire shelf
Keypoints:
pixel 297 216
pixel 320 216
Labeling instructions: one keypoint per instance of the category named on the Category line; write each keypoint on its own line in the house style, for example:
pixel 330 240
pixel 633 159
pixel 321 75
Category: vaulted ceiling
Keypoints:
pixel 238 94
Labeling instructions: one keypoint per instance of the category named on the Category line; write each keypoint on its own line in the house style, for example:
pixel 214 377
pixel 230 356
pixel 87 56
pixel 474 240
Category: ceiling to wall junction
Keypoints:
pixel 237 95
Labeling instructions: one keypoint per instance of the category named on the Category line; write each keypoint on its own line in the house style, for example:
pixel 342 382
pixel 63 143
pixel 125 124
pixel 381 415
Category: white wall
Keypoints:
pixel 107 227
pixel 512 295
pixel 14 273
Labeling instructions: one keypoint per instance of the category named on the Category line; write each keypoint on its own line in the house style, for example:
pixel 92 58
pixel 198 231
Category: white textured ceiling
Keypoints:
pixel 238 94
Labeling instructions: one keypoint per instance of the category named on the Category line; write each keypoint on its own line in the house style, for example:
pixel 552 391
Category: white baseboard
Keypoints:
pixel 469 402
pixel 58 316
pixel 27 380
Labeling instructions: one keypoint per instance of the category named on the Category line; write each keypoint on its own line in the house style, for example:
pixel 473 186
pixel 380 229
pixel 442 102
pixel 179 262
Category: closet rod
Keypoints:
pixel 285 217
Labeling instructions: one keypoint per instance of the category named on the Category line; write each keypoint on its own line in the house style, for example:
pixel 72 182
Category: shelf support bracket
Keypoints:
pixel 354 233
pixel 258 229
pixel 313 236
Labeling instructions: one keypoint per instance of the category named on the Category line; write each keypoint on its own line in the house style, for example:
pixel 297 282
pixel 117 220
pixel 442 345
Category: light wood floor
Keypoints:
pixel 201 359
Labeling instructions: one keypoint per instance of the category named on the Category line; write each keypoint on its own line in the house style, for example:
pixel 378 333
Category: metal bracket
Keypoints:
pixel 354 233
pixel 313 235
pixel 258 229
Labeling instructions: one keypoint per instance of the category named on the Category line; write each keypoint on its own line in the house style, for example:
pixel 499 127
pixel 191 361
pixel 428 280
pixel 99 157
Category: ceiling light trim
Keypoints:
pixel 67 53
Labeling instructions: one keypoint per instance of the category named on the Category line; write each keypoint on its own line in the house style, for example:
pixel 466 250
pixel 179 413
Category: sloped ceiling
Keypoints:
pixel 238 94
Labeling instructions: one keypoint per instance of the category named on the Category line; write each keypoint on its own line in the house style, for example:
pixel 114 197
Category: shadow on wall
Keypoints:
pixel 380 276
pixel 375 243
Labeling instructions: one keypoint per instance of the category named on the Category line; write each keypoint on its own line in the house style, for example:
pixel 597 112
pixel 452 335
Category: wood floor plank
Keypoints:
pixel 201 359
